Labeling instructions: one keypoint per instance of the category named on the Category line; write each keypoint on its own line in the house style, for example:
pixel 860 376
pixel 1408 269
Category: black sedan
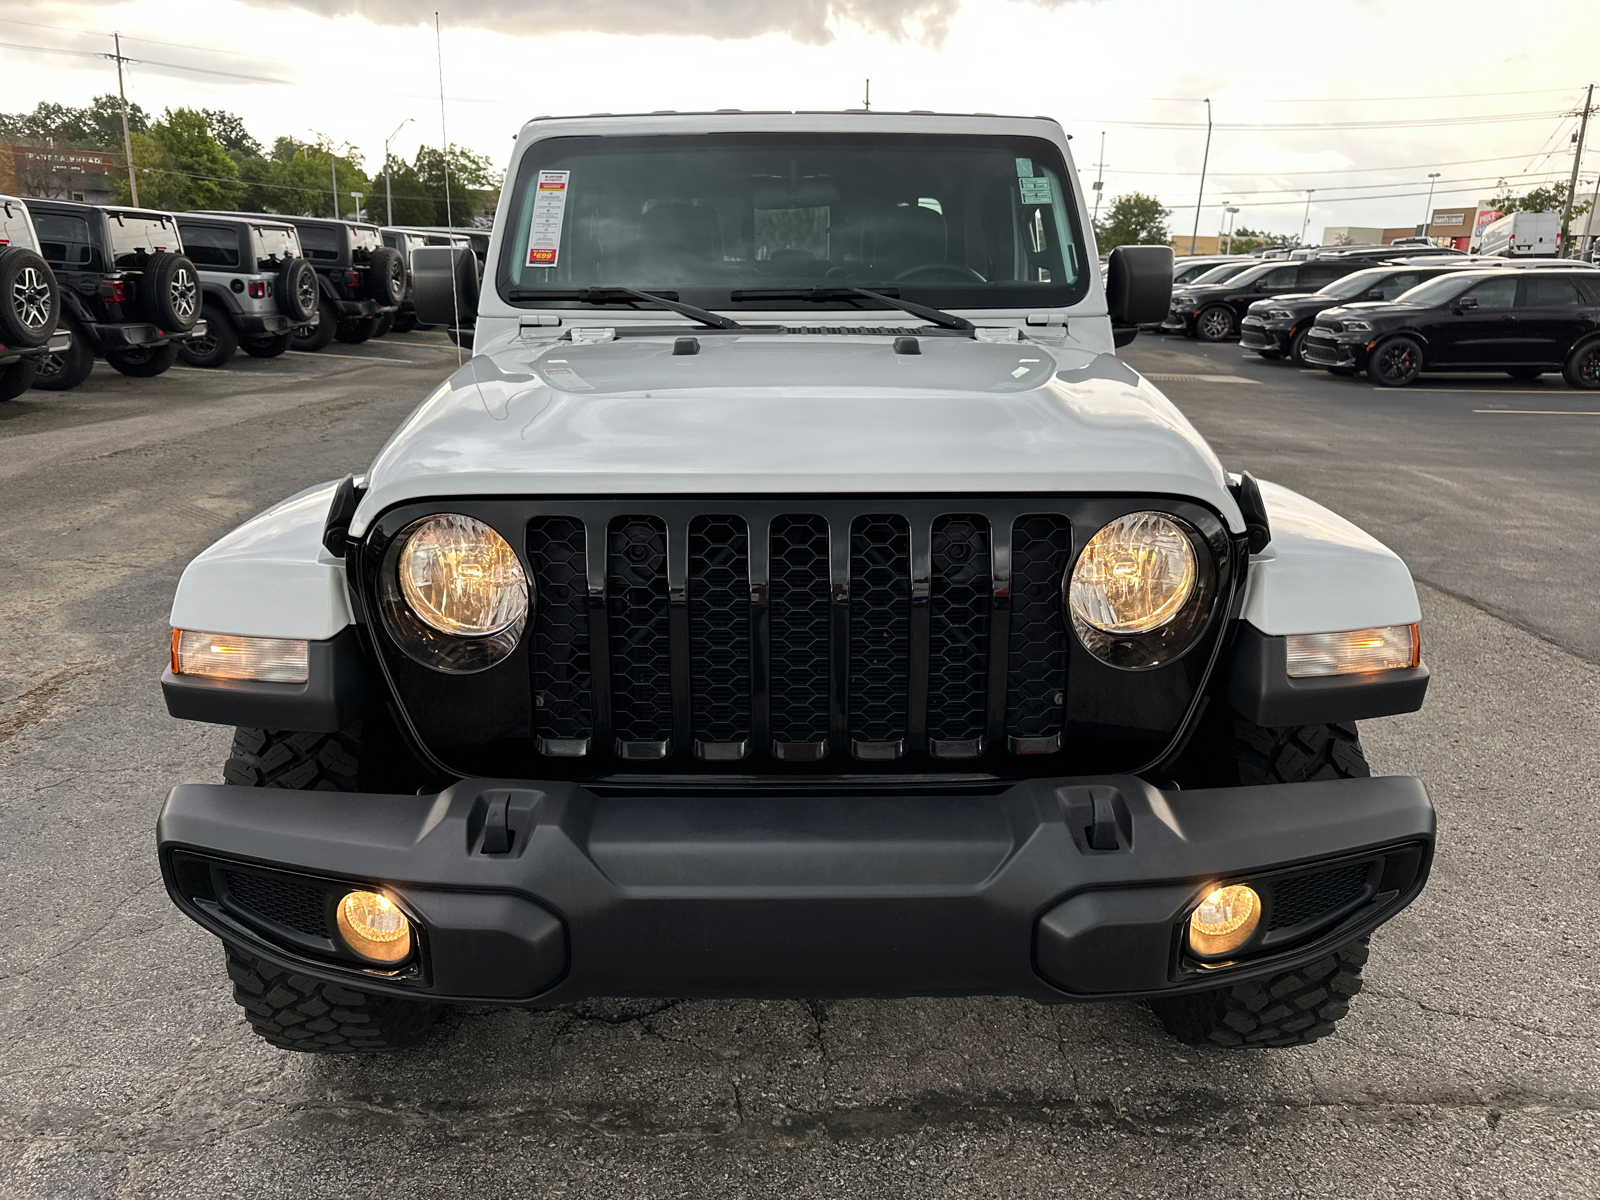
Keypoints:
pixel 1278 326
pixel 1212 311
pixel 1522 322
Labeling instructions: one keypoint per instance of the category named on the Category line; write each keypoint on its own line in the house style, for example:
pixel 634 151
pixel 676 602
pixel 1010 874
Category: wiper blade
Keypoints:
pixel 608 295
pixel 937 316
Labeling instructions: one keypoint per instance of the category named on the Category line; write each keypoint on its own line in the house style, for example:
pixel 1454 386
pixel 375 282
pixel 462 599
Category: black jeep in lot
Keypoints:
pixel 1277 327
pixel 1212 311
pixel 128 291
pixel 1522 322
pixel 30 302
pixel 256 283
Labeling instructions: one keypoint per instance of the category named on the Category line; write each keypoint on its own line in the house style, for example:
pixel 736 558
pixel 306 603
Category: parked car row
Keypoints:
pixel 145 289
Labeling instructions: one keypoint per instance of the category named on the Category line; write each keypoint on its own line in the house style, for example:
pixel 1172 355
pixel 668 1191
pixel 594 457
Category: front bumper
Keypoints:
pixel 539 893
pixel 1323 349
pixel 1255 333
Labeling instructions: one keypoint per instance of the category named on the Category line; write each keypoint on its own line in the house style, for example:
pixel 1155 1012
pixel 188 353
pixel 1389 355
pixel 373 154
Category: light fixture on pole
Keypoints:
pixel 1204 162
pixel 1306 225
pixel 1427 216
pixel 388 196
pixel 358 197
pixel 1233 214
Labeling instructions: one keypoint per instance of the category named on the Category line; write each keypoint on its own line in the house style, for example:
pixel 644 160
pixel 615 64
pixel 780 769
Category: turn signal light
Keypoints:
pixel 1224 921
pixel 230 656
pixel 373 926
pixel 1387 648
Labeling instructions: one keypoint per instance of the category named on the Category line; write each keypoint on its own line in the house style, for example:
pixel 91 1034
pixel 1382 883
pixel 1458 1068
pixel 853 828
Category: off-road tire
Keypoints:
pixel 62 372
pixel 354 332
pixel 30 299
pixel 296 1012
pixel 297 292
pixel 1292 1008
pixel 17 378
pixel 1216 323
pixel 315 337
pixel 265 345
pixel 218 346
pixel 1582 368
pixel 367 755
pixel 405 322
pixel 1395 362
pixel 169 292
pixel 386 276
pixel 1229 751
pixel 144 362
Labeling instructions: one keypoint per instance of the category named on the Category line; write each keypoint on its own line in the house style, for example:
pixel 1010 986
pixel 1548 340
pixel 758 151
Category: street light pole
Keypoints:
pixel 1427 216
pixel 1306 225
pixel 388 196
pixel 1204 162
pixel 1233 215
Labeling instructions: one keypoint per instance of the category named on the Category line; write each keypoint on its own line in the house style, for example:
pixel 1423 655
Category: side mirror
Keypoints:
pixel 1466 304
pixel 446 283
pixel 1138 289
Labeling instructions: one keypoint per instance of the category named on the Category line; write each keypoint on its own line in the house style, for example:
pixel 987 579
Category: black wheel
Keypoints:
pixel 144 362
pixel 1292 1008
pixel 382 324
pixel 296 292
pixel 169 292
pixel 30 301
pixel 1297 347
pixel 296 1012
pixel 265 345
pixel 354 332
pixel 59 372
pixel 315 337
pixel 405 322
pixel 1525 374
pixel 17 378
pixel 1582 369
pixel 218 345
pixel 1216 323
pixel 386 276
pixel 1395 362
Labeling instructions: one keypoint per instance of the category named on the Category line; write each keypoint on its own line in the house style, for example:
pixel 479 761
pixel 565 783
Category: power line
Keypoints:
pixel 1307 126
pixel 1364 99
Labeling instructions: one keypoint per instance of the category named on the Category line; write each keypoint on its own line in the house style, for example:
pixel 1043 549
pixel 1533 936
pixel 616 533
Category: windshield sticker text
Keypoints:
pixel 549 210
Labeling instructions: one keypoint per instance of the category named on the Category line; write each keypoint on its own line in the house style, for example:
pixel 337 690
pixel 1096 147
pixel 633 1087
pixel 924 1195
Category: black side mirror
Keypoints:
pixel 1138 289
pixel 1466 304
pixel 446 283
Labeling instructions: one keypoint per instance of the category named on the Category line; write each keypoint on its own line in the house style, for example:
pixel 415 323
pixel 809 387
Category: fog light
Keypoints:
pixel 230 656
pixel 1225 920
pixel 374 927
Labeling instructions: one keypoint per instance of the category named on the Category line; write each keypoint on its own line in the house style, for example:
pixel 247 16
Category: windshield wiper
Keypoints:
pixel 937 316
pixel 608 295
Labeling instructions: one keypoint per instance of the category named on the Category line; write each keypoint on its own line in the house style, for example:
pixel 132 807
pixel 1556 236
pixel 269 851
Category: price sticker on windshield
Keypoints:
pixel 549 211
pixel 1035 191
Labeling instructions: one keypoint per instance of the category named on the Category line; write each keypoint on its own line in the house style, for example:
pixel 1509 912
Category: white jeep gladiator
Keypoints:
pixel 794 596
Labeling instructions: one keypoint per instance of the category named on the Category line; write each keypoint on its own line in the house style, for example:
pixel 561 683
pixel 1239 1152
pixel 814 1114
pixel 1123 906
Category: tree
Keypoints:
pixel 298 180
pixel 181 166
pixel 228 131
pixel 1549 198
pixel 1248 241
pixel 474 183
pixel 413 203
pixel 98 126
pixel 1133 220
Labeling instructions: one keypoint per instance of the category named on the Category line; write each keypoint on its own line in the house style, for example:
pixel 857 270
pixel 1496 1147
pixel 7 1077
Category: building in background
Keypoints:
pixel 1351 235
pixel 59 172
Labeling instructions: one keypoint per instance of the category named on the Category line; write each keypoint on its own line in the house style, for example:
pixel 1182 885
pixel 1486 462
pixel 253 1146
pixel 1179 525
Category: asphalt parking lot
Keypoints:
pixel 1469 1067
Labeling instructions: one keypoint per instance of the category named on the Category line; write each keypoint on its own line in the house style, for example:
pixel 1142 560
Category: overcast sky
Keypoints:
pixel 1357 99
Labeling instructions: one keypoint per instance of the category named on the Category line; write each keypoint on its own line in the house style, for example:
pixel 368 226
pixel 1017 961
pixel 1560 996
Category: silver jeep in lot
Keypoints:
pixel 794 596
pixel 256 283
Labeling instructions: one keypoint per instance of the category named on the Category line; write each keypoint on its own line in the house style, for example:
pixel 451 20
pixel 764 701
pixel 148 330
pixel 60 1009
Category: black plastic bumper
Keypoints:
pixel 1322 350
pixel 1255 334
pixel 541 893
pixel 132 335
pixel 262 323
pixel 60 342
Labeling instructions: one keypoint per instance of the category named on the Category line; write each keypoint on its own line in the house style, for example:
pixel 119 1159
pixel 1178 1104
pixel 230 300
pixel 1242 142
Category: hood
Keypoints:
pixel 1363 307
pixel 1291 298
pixel 796 414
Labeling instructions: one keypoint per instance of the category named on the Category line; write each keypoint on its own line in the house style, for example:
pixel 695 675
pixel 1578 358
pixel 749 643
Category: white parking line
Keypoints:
pixel 404 362
pixel 1541 412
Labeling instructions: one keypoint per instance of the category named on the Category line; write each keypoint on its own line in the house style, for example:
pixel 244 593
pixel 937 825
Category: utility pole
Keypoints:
pixel 1427 216
pixel 387 195
pixel 868 98
pixel 1306 225
pixel 1204 162
pixel 127 138
pixel 1577 157
pixel 1100 177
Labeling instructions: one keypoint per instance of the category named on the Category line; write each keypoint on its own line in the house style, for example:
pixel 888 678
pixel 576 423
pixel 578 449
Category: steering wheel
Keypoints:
pixel 951 272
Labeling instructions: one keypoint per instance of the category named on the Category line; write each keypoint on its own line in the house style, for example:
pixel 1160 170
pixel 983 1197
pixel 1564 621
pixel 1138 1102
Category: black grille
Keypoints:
pixel 958 644
pixel 560 647
pixel 636 601
pixel 719 630
pixel 296 906
pixel 799 638
pixel 880 628
pixel 1307 897
pixel 1036 678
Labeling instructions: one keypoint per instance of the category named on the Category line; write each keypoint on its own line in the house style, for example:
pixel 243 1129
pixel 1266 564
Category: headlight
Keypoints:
pixel 1134 593
pixel 1279 314
pixel 1357 327
pixel 454 593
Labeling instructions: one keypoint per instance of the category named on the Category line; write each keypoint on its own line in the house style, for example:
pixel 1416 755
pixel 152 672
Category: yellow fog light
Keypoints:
pixel 1225 920
pixel 374 927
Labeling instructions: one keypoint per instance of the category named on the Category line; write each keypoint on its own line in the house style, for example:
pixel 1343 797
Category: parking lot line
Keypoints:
pixel 404 362
pixel 1200 377
pixel 1542 412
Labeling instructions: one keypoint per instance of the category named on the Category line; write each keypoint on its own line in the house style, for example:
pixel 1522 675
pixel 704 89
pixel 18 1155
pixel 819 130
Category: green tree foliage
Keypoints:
pixel 297 180
pixel 1133 220
pixel 413 203
pixel 180 165
pixel 228 131
pixel 474 183
pixel 1248 241
pixel 97 126
pixel 1548 198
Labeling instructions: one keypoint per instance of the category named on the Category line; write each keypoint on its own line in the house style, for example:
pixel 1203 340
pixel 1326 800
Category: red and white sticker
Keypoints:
pixel 549 210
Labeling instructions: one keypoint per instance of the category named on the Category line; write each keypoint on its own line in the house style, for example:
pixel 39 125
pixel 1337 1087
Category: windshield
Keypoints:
pixel 1223 273
pixel 1353 285
pixel 947 220
pixel 274 246
pixel 135 238
pixel 1437 291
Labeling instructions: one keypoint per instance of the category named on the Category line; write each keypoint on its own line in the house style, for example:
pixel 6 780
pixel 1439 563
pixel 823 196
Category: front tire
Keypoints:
pixel 1216 323
pixel 1582 369
pixel 296 1012
pixel 1395 362
pixel 1297 347
pixel 217 347
pixel 144 362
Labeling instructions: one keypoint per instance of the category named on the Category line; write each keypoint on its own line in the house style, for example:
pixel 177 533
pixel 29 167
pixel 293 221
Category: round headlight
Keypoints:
pixel 1134 576
pixel 461 577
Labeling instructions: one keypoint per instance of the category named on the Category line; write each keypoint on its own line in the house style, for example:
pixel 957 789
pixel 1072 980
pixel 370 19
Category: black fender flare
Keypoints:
pixel 222 296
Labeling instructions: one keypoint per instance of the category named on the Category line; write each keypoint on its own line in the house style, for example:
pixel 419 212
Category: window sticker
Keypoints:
pixel 1024 168
pixel 1035 191
pixel 549 210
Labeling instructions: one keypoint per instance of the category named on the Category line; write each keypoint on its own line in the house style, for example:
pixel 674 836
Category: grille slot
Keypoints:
pixel 880 634
pixel 563 707
pixel 958 658
pixel 719 635
pixel 1036 678
pixel 799 638
pixel 636 605
pixel 296 906
pixel 1307 897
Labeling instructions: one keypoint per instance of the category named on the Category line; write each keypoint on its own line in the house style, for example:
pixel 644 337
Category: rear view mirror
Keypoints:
pixel 1138 288
pixel 447 283
pixel 804 193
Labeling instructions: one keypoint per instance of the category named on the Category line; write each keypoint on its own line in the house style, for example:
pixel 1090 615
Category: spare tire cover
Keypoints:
pixel 170 291
pixel 386 276
pixel 297 290
pixel 30 300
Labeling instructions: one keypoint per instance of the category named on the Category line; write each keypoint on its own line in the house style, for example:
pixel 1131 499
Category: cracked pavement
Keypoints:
pixel 1469 1067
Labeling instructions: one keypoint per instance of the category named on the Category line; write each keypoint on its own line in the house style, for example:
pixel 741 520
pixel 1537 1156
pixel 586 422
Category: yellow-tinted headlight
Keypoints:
pixel 461 577
pixel 373 926
pixel 1134 576
pixel 1225 920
